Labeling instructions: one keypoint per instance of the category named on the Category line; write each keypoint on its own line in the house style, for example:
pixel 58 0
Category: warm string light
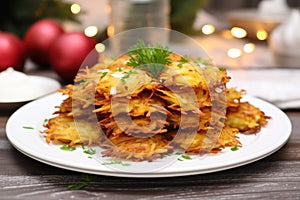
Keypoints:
pixel 238 32
pixel 100 47
pixel 75 8
pixel 208 29
pixel 249 47
pixel 91 31
pixel 234 53
pixel 261 35
pixel 110 31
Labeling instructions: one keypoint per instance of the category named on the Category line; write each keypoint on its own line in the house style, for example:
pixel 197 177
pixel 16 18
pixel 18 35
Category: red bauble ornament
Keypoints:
pixel 38 39
pixel 68 53
pixel 12 52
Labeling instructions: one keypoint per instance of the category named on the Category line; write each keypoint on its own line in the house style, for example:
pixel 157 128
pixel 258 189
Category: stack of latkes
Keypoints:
pixel 140 108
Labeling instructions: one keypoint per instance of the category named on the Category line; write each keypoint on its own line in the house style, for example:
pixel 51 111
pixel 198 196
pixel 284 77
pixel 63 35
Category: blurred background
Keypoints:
pixel 209 21
pixel 236 34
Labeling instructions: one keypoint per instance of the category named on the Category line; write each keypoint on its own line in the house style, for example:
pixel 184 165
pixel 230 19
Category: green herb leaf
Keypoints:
pixel 151 58
pixel 222 69
pixel 165 155
pixel 81 82
pixel 125 164
pixel 89 151
pixel 103 75
pixel 127 75
pixel 178 153
pixel 184 59
pixel 77 186
pixel 120 69
pixel 66 147
pixel 202 61
pixel 28 127
pixel 45 121
pixel 186 157
pixel 116 162
pixel 86 179
pixel 234 148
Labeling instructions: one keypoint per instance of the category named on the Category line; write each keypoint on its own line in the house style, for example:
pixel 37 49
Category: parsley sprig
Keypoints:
pixel 183 59
pixel 66 147
pixel 116 162
pixel 151 58
pixel 85 181
pixel 88 150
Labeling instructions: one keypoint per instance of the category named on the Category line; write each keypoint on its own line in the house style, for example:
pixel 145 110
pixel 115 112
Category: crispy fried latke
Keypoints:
pixel 141 115
pixel 246 118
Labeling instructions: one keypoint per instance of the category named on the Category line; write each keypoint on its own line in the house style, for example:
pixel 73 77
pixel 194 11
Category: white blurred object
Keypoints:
pixel 127 16
pixel 285 41
pixel 19 87
pixel 278 86
pixel 273 7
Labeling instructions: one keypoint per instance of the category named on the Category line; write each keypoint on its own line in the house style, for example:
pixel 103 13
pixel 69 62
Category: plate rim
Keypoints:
pixel 108 172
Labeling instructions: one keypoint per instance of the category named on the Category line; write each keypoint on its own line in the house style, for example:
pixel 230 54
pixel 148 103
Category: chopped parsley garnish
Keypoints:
pixel 116 162
pixel 120 69
pixel 234 148
pixel 103 75
pixel 222 69
pixel 151 58
pixel 202 61
pixel 66 147
pixel 127 75
pixel 183 59
pixel 28 127
pixel 81 82
pixel 77 186
pixel 89 151
pixel 183 156
pixel 186 157
pixel 86 179
pixel 165 155
pixel 45 121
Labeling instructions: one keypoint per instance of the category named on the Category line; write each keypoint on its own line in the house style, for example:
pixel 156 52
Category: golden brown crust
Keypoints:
pixel 141 115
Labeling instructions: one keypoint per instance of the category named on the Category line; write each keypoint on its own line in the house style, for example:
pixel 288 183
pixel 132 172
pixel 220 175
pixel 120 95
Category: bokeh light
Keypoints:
pixel 100 47
pixel 91 31
pixel 208 29
pixel 110 31
pixel 262 35
pixel 234 53
pixel 238 32
pixel 75 8
pixel 249 47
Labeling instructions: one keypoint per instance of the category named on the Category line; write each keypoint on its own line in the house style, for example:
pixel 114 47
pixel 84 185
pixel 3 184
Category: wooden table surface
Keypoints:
pixel 274 177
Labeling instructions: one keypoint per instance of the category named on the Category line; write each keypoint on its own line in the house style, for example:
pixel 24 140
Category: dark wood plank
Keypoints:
pixel 260 179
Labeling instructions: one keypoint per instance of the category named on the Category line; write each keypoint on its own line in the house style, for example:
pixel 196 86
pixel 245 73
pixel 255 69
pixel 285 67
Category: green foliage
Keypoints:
pixel 183 14
pixel 17 15
pixel 151 58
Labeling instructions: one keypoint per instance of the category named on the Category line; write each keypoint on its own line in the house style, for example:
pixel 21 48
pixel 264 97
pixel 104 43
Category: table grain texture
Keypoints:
pixel 274 177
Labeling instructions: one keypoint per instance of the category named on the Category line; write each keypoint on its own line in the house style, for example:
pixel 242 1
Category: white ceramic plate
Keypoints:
pixel 31 142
